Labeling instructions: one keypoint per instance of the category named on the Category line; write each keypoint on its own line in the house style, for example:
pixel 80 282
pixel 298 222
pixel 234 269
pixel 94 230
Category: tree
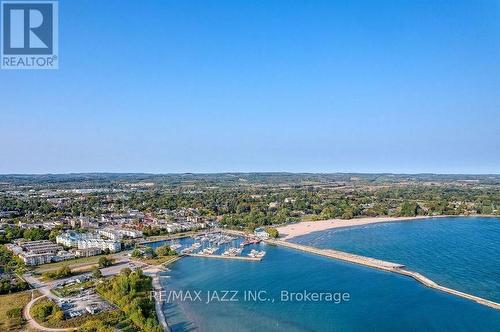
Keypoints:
pixel 96 273
pixel 36 234
pixel 409 209
pixel 273 232
pixel 43 310
pixel 15 313
pixel 53 234
pixel 64 271
pixel 165 250
pixel 105 262
pixel 136 253
pixel 348 214
pixel 129 291
pixel 57 316
pixel 149 252
pixel 95 326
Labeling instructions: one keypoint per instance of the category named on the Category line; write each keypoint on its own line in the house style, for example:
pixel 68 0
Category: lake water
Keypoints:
pixel 460 252
pixel 379 301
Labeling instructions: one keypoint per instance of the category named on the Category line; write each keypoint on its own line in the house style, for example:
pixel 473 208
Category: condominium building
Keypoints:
pixel 117 234
pixel 38 247
pixel 34 252
pixel 87 240
pixel 35 259
pixel 113 246
pixel 88 252
pixel 71 238
pixel 110 233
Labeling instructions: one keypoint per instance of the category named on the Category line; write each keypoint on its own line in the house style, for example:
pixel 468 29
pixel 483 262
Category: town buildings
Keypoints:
pixel 38 252
pixel 118 234
pixel 88 252
pixel 87 241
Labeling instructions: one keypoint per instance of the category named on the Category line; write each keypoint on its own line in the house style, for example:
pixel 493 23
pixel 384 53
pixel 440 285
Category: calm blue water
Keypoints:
pixel 460 252
pixel 379 301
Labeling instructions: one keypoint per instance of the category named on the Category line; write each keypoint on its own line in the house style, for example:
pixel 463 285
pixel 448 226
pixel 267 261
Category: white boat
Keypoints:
pixel 209 251
pixel 175 246
pixel 261 254
pixel 253 253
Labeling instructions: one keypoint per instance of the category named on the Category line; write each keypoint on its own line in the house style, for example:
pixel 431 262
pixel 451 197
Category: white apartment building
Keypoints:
pixel 36 259
pixel 117 234
pixel 87 240
pixel 70 238
pixel 110 233
pixel 112 246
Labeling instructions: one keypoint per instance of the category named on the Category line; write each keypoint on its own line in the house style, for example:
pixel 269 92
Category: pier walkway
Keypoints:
pixel 383 265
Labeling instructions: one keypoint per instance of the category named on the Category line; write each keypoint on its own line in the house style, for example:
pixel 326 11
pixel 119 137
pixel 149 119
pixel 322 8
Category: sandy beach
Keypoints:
pixel 293 230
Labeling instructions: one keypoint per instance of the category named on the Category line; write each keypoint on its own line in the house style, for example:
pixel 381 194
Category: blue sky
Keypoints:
pixel 215 86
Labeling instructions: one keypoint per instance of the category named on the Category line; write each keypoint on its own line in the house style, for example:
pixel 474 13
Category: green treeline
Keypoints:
pixel 130 291
pixel 252 205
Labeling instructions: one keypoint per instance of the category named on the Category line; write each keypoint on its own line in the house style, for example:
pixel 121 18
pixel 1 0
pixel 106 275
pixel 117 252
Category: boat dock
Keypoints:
pixel 383 265
pixel 162 238
pixel 241 258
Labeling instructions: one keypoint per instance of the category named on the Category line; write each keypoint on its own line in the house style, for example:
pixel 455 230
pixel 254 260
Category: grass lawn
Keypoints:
pixel 72 289
pixel 13 301
pixel 111 318
pixel 77 266
pixel 72 263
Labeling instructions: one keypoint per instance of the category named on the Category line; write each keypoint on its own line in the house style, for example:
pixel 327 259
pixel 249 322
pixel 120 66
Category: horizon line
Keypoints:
pixel 244 172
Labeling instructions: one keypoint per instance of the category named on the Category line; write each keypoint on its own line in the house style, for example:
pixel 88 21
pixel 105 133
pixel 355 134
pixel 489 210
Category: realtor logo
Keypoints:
pixel 29 34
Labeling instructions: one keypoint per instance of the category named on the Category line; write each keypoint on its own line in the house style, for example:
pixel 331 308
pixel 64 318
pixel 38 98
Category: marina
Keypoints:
pixel 218 244
pixel 241 258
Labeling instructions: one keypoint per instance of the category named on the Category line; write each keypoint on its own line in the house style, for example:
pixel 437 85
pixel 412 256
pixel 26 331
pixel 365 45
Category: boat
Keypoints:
pixel 175 246
pixel 256 254
pixel 209 251
pixel 253 253
pixel 232 252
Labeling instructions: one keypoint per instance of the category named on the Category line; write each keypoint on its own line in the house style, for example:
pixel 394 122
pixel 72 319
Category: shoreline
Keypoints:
pixel 291 231
pixel 158 304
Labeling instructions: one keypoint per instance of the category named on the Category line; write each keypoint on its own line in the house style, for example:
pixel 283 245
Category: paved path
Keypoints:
pixel 45 287
pixel 34 324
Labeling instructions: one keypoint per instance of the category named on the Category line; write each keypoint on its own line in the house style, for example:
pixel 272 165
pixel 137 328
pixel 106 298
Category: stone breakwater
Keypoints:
pixel 383 265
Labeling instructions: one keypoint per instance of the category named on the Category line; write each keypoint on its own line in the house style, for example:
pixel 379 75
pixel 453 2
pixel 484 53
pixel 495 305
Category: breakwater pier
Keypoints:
pixel 383 265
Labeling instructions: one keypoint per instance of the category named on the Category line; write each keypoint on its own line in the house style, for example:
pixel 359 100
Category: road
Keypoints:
pixel 33 323
pixel 45 289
